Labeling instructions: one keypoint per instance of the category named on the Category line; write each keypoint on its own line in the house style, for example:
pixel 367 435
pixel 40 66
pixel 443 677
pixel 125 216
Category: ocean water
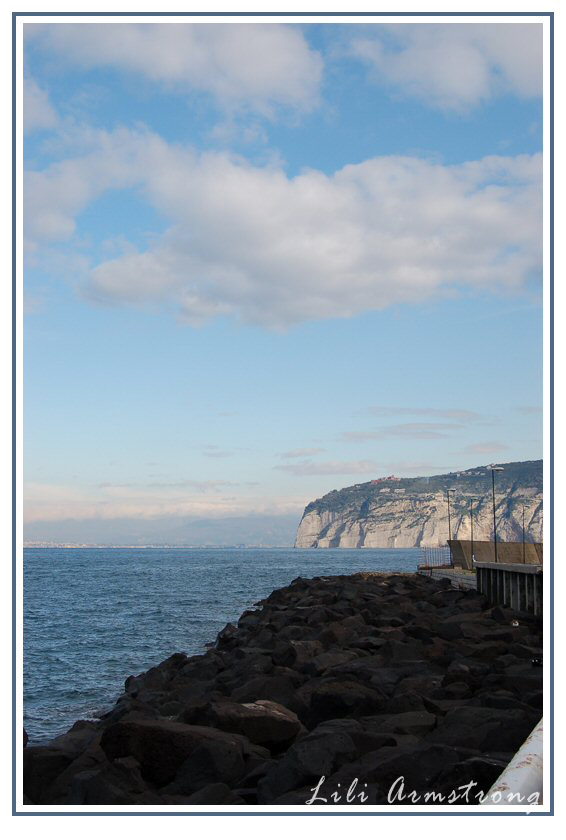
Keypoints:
pixel 93 616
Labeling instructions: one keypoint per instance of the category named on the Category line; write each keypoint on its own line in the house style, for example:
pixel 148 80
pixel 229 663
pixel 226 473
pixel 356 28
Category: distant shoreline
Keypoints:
pixel 148 545
pixel 223 547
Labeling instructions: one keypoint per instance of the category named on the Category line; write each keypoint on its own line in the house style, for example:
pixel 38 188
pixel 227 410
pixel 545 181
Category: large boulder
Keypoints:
pixel 296 653
pixel 414 722
pixel 216 793
pixel 262 722
pixel 483 770
pixel 342 632
pixel 42 765
pixel 306 761
pixel 341 698
pixel 91 759
pixel 162 748
pixel 484 728
pixel 324 662
pixel 214 760
pixel 119 783
pixel 417 765
pixel 279 687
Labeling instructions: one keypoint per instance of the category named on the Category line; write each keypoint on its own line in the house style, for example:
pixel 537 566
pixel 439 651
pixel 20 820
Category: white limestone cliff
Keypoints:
pixel 420 519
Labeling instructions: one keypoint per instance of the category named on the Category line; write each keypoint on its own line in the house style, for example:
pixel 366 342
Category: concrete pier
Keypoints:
pixel 514 585
pixel 457 577
pixel 484 552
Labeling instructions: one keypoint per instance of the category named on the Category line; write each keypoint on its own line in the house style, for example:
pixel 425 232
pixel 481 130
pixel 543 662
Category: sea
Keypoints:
pixel 94 616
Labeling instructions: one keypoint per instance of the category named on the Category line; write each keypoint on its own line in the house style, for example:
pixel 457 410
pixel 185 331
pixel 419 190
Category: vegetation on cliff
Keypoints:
pixel 393 511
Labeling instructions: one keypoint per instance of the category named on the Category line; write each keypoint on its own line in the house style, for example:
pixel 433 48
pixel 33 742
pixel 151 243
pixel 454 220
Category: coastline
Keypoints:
pixel 93 616
pixel 368 676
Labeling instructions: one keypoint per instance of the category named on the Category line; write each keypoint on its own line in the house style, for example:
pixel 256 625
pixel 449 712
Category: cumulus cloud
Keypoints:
pixel 454 66
pixel 39 114
pixel 309 467
pixel 54 197
pixel 275 250
pixel 242 65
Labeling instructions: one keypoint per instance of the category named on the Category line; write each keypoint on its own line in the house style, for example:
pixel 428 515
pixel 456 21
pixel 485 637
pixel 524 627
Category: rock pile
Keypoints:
pixel 362 677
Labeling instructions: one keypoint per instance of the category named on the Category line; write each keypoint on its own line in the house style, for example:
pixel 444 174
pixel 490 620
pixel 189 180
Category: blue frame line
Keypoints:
pixel 392 13
pixel 551 407
pixel 14 611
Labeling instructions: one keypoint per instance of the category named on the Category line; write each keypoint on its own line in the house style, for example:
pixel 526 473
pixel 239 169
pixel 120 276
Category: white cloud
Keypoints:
pixel 301 453
pixel 414 431
pixel 217 453
pixel 401 467
pixel 200 486
pixel 53 502
pixel 309 467
pixel 529 409
pixel 486 448
pixel 252 242
pixel 39 114
pixel 420 431
pixel 454 66
pixel 255 66
pixel 55 196
pixel 458 414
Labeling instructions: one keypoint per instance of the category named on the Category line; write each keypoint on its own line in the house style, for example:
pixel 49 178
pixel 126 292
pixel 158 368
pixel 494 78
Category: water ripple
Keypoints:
pixel 94 616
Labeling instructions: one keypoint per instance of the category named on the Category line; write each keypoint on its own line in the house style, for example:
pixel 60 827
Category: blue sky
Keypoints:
pixel 264 261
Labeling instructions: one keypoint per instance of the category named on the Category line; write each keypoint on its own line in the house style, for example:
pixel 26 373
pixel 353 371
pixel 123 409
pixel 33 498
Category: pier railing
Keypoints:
pixel 436 556
pixel 523 777
pixel 515 585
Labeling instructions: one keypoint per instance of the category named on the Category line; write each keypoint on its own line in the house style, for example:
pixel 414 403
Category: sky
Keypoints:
pixel 264 261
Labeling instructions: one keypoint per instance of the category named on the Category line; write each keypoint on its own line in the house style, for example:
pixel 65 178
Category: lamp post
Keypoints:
pixel 472 500
pixel 448 491
pixel 494 469
pixel 523 533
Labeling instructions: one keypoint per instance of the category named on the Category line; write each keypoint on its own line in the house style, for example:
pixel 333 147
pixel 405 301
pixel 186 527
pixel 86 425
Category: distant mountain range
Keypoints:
pixel 392 512
pixel 253 529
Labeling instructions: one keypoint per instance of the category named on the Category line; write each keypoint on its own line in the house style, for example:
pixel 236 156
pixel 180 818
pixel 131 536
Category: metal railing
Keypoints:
pixel 522 778
pixel 435 556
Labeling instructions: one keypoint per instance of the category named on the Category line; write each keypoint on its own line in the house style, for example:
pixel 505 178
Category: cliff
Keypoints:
pixel 409 512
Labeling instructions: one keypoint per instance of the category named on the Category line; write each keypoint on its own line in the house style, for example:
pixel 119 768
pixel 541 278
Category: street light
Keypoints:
pixel 472 500
pixel 448 491
pixel 494 469
pixel 523 533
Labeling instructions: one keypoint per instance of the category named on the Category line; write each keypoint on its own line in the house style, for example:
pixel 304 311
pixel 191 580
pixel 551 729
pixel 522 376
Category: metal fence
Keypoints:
pixel 433 556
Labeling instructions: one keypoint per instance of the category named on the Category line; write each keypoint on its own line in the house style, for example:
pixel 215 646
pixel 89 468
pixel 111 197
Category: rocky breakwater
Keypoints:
pixel 367 677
